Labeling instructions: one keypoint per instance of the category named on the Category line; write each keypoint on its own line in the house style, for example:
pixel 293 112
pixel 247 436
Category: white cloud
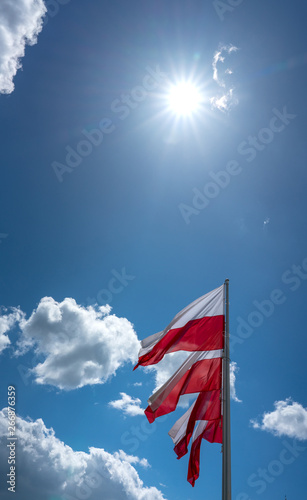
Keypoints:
pixel 128 405
pixel 219 57
pixel 233 368
pixel 224 102
pixel 288 419
pixel 226 98
pixel 81 346
pixel 132 459
pixel 7 322
pixel 20 23
pixel 138 384
pixel 48 468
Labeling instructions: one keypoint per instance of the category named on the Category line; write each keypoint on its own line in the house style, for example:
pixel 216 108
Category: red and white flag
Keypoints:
pixel 183 429
pixel 198 327
pixel 204 430
pixel 200 372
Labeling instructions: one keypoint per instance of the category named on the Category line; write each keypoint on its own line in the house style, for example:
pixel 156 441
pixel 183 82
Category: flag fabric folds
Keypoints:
pixel 199 329
pixel 182 430
pixel 200 372
pixel 204 430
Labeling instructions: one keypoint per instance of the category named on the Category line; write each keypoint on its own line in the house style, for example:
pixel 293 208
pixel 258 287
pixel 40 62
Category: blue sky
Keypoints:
pixel 154 212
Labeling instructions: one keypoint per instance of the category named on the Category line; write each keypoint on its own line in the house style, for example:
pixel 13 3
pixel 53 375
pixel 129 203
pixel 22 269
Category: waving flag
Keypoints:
pixel 204 430
pixel 201 371
pixel 198 327
pixel 183 429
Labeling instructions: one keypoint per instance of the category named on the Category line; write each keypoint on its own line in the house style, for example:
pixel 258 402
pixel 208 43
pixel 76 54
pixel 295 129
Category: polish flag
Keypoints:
pixel 205 430
pixel 200 372
pixel 183 429
pixel 198 327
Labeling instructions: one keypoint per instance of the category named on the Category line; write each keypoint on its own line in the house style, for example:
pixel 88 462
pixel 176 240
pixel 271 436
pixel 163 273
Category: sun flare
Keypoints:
pixel 184 99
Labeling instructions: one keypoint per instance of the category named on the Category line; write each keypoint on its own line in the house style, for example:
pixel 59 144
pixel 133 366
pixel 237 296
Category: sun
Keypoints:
pixel 184 99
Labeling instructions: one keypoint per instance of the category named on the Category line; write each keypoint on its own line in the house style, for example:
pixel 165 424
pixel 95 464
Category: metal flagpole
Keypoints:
pixel 226 474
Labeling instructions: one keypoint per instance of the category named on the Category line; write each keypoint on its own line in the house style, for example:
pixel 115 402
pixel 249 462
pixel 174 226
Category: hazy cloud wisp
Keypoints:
pixel 7 322
pixel 226 98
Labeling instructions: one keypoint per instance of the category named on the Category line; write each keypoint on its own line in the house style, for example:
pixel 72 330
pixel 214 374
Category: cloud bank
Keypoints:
pixel 80 345
pixel 288 419
pixel 48 468
pixel 20 23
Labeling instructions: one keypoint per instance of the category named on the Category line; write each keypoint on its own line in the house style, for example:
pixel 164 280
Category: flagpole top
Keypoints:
pixel 227 280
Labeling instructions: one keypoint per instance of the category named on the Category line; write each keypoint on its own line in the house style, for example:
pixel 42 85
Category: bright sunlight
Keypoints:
pixel 184 98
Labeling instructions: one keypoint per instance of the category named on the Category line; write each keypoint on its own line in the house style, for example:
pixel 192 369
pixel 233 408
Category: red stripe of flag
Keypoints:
pixel 206 407
pixel 188 338
pixel 205 430
pixel 198 327
pixel 204 375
